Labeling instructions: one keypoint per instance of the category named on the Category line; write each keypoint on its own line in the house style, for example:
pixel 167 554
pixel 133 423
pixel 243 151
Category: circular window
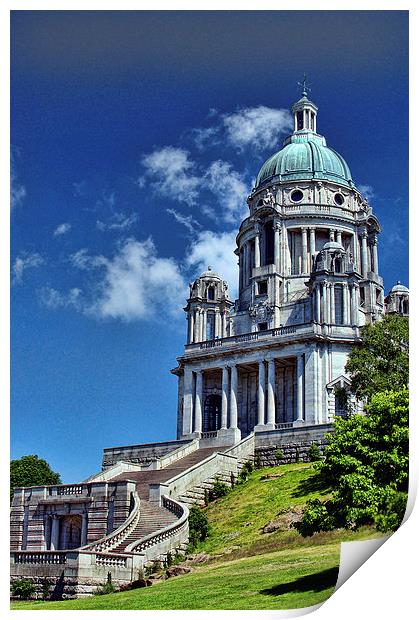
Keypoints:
pixel 339 199
pixel 297 195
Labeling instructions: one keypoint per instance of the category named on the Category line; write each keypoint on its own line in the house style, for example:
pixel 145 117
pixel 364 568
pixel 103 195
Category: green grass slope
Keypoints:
pixel 247 569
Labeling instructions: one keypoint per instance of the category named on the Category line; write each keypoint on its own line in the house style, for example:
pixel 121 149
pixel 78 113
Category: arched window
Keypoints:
pixel 338 304
pixel 211 293
pixel 269 243
pixel 341 402
pixel 212 413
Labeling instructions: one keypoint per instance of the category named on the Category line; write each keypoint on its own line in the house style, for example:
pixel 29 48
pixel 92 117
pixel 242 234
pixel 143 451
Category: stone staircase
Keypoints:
pixel 152 518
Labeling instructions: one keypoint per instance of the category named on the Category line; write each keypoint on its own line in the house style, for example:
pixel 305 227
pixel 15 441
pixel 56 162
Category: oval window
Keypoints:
pixel 297 195
pixel 339 199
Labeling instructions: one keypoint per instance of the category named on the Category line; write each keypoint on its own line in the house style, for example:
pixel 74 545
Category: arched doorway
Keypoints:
pixel 212 413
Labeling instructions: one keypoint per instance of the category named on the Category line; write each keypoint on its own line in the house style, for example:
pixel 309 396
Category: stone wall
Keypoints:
pixel 294 444
pixel 143 454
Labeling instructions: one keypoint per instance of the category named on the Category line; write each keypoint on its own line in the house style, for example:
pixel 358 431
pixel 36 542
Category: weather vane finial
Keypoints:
pixel 304 85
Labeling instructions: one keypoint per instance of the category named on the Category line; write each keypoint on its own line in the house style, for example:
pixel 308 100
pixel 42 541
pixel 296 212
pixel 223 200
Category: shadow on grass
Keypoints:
pixel 313 484
pixel 310 583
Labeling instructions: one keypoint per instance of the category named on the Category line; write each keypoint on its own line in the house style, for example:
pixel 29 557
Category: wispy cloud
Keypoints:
pixel 118 221
pixel 62 229
pixel 171 173
pixel 186 220
pixel 366 191
pixel 79 188
pixel 230 189
pixel 23 262
pixel 51 298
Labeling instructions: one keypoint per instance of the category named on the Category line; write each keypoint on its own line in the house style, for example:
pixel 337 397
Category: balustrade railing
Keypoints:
pixel 109 559
pixel 39 557
pixel 112 540
pixel 71 489
pixel 166 533
pixel 209 435
pixel 250 337
pixel 281 425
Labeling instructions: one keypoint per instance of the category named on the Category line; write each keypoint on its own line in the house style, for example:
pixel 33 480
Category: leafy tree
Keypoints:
pixel 366 463
pixel 381 362
pixel 314 453
pixel 30 471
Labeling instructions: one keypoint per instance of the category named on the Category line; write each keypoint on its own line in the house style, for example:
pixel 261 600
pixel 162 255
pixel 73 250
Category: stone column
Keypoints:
pixel 277 246
pixel 217 332
pixel 198 402
pixel 300 387
pixel 304 249
pixel 84 529
pixel 224 397
pixel 375 255
pixel 257 246
pixel 364 254
pixel 318 306
pixel 47 532
pixel 55 533
pixel 271 394
pixel 325 313
pixel 261 393
pixel 233 397
pixel 197 326
pixel 355 304
pixel 191 327
pixel 312 246
pixel 204 324
pixel 339 236
pixel 223 325
pixel 187 402
pixel 332 234
pixel 332 303
pixel 345 303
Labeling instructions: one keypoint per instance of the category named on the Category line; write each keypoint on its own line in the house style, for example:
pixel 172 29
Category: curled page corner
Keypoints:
pixel 354 554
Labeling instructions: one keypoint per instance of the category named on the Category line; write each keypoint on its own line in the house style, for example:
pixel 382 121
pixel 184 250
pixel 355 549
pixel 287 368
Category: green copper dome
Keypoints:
pixel 305 156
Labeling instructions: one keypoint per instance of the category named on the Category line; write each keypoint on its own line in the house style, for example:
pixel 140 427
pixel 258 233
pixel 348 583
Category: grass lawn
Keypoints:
pixel 278 570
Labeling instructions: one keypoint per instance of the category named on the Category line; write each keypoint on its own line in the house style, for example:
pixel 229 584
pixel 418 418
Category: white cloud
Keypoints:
pixel 215 250
pixel 23 262
pixel 118 221
pixel 62 229
pixel 229 188
pixel 17 190
pixel 366 191
pixel 186 220
pixel 133 284
pixel 258 128
pixel 172 174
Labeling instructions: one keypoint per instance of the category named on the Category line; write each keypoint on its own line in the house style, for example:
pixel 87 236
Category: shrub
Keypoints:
pixel 108 587
pixel 279 455
pixel 198 525
pixel 257 462
pixel 24 588
pixel 219 489
pixel 169 559
pixel 248 466
pixel 206 497
pixel 45 589
pixel 314 453
pixel 297 455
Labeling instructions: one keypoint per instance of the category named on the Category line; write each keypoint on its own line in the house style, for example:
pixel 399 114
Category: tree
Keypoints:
pixel 381 362
pixel 30 471
pixel 366 463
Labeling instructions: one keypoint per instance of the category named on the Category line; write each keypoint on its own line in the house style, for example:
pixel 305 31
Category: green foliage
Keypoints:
pixel 198 525
pixel 153 568
pixel 219 489
pixel 314 453
pixel 45 588
pixel 108 587
pixel 366 463
pixel 169 559
pixel 206 497
pixel 382 361
pixel 30 471
pixel 279 455
pixel 24 588
pixel 297 455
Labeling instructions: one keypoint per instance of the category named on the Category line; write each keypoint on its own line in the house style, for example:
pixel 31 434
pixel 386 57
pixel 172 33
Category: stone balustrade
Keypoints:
pixel 112 540
pixel 38 557
pixel 230 341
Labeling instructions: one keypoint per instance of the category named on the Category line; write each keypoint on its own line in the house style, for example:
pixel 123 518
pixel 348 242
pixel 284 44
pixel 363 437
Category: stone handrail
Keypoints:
pixel 285 330
pixel 39 557
pixel 114 470
pixel 244 448
pixel 112 540
pixel 212 465
pixel 166 533
pixel 171 457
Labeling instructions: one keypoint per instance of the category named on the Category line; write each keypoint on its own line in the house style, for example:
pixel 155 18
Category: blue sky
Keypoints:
pixel 136 137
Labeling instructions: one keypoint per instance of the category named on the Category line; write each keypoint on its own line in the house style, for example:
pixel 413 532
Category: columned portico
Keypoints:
pixel 270 422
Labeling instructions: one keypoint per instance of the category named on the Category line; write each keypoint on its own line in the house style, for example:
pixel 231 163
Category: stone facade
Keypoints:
pixel 308 281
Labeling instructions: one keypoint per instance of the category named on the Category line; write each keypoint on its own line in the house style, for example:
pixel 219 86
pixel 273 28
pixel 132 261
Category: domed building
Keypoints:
pixel 308 280
pixel 397 301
